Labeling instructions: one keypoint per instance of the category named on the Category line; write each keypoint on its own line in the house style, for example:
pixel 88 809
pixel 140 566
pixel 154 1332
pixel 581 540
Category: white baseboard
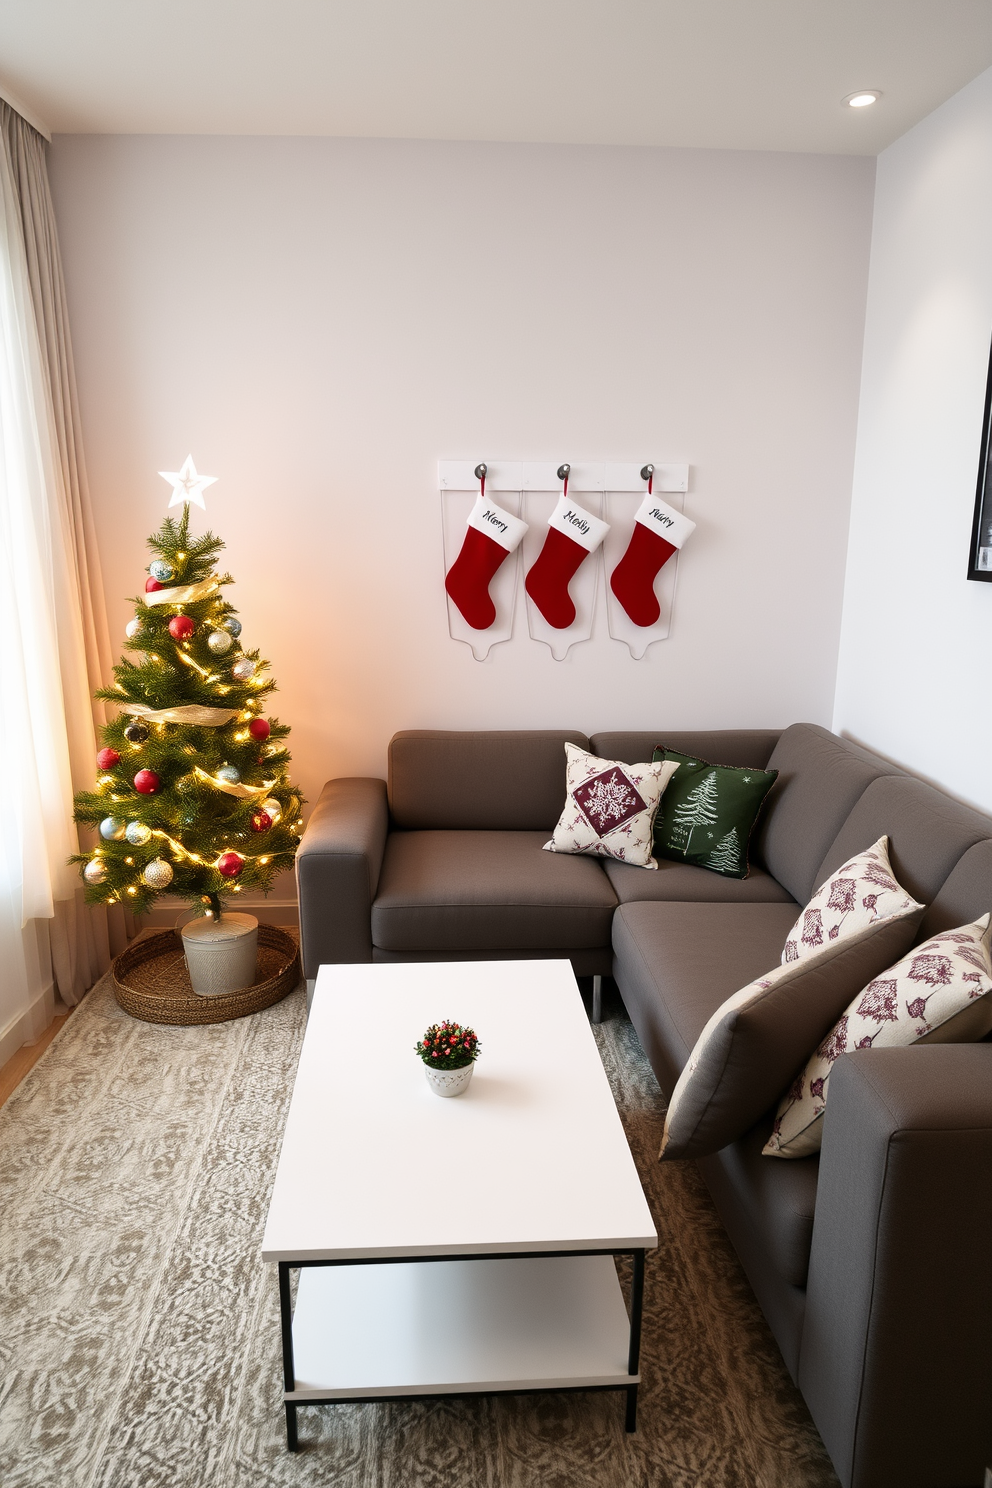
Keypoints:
pixel 28 1026
pixel 269 911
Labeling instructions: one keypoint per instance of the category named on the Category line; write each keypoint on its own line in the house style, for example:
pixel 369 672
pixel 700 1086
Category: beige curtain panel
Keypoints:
pixel 52 524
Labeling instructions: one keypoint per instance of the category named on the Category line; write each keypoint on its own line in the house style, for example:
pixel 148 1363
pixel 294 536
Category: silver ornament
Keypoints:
pixel 220 642
pixel 95 872
pixel 158 874
pixel 138 834
pixel 244 669
pixel 229 773
pixel 234 626
pixel 112 828
pixel 271 808
pixel 132 627
pixel 161 570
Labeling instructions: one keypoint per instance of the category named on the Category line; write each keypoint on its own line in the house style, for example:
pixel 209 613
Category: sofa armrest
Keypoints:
pixel 337 871
pixel 896 1356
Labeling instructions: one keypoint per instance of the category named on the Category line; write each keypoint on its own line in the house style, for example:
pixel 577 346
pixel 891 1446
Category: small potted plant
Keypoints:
pixel 449 1052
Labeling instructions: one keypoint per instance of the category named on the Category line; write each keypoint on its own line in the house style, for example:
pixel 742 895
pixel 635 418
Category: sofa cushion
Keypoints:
pixel 754 1043
pixel 938 993
pixel 927 832
pixel 820 777
pixel 477 891
pixel 860 893
pixel 610 808
pixel 686 881
pixel 709 812
pixel 676 963
pixel 730 746
pixel 480 781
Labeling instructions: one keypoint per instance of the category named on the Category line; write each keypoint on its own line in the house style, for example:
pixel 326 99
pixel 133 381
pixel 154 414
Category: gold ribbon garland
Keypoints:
pixel 243 792
pixel 189 713
pixel 183 594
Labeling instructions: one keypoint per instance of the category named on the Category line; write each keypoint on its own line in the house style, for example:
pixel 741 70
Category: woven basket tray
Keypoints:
pixel 151 981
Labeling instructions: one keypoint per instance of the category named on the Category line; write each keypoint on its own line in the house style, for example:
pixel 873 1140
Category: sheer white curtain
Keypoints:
pixel 47 738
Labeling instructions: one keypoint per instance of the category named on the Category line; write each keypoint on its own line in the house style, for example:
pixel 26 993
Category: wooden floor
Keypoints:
pixel 13 1072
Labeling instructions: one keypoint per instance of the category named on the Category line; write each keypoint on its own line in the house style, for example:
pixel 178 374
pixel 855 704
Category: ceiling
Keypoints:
pixel 737 74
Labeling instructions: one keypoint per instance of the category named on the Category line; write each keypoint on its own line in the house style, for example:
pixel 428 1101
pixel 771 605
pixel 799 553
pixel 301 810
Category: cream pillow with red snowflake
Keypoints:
pixel 859 894
pixel 610 807
pixel 937 993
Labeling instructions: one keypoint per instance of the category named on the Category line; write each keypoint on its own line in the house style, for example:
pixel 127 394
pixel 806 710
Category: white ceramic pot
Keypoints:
pixel 221 955
pixel 449 1082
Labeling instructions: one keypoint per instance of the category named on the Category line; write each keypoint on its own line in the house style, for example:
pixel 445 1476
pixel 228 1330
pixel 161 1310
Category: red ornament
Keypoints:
pixel 181 627
pixel 146 782
pixel 230 864
pixel 107 759
pixel 261 821
pixel 151 585
pixel 259 728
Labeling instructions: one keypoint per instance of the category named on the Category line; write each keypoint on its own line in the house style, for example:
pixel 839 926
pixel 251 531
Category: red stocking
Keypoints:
pixel 573 534
pixel 492 535
pixel 659 531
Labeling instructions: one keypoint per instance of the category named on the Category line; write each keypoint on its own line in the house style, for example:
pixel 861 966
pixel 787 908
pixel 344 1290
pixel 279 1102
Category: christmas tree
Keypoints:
pixel 697 810
pixel 193 794
pixel 726 856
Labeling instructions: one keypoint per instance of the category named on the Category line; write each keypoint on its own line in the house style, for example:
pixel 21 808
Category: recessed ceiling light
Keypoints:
pixel 863 99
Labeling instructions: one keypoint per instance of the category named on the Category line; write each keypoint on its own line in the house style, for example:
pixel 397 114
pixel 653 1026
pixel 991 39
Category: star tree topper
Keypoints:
pixel 186 484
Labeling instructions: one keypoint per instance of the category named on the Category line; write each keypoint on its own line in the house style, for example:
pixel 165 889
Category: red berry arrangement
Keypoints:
pixel 448 1046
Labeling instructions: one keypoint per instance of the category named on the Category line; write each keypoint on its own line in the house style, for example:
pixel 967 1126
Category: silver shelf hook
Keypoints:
pixel 563 471
pixel 647 471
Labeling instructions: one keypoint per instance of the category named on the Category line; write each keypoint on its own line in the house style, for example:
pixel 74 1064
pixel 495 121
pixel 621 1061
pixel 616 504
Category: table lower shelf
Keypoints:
pixel 443 1327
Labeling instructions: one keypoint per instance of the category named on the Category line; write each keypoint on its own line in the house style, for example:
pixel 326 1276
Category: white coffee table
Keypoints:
pixel 463 1245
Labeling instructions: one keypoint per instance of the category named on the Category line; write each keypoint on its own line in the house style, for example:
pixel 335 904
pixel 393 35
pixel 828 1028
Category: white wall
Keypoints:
pixel 318 321
pixel 914 659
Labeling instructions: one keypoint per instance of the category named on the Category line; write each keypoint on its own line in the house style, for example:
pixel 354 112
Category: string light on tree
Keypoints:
pixel 189 697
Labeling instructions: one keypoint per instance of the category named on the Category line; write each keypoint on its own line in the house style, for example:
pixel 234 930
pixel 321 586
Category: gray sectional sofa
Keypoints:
pixel 871 1261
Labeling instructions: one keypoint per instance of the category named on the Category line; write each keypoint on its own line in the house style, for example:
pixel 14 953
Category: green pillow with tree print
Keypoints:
pixel 708 811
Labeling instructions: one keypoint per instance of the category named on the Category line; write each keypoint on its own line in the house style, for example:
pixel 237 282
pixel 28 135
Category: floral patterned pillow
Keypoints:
pixel 859 894
pixel 939 992
pixel 610 807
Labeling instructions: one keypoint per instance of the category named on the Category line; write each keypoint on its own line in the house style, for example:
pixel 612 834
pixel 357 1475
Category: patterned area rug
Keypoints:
pixel 139 1331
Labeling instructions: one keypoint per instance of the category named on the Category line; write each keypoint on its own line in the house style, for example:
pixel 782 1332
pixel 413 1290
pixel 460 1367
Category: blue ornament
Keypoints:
pixel 161 570
pixel 112 829
pixel 234 626
pixel 229 773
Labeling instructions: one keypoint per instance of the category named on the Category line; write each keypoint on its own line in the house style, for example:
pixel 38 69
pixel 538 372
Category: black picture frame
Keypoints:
pixel 980 556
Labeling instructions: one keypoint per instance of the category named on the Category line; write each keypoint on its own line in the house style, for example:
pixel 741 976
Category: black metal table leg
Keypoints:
pixel 288 1368
pixel 633 1356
